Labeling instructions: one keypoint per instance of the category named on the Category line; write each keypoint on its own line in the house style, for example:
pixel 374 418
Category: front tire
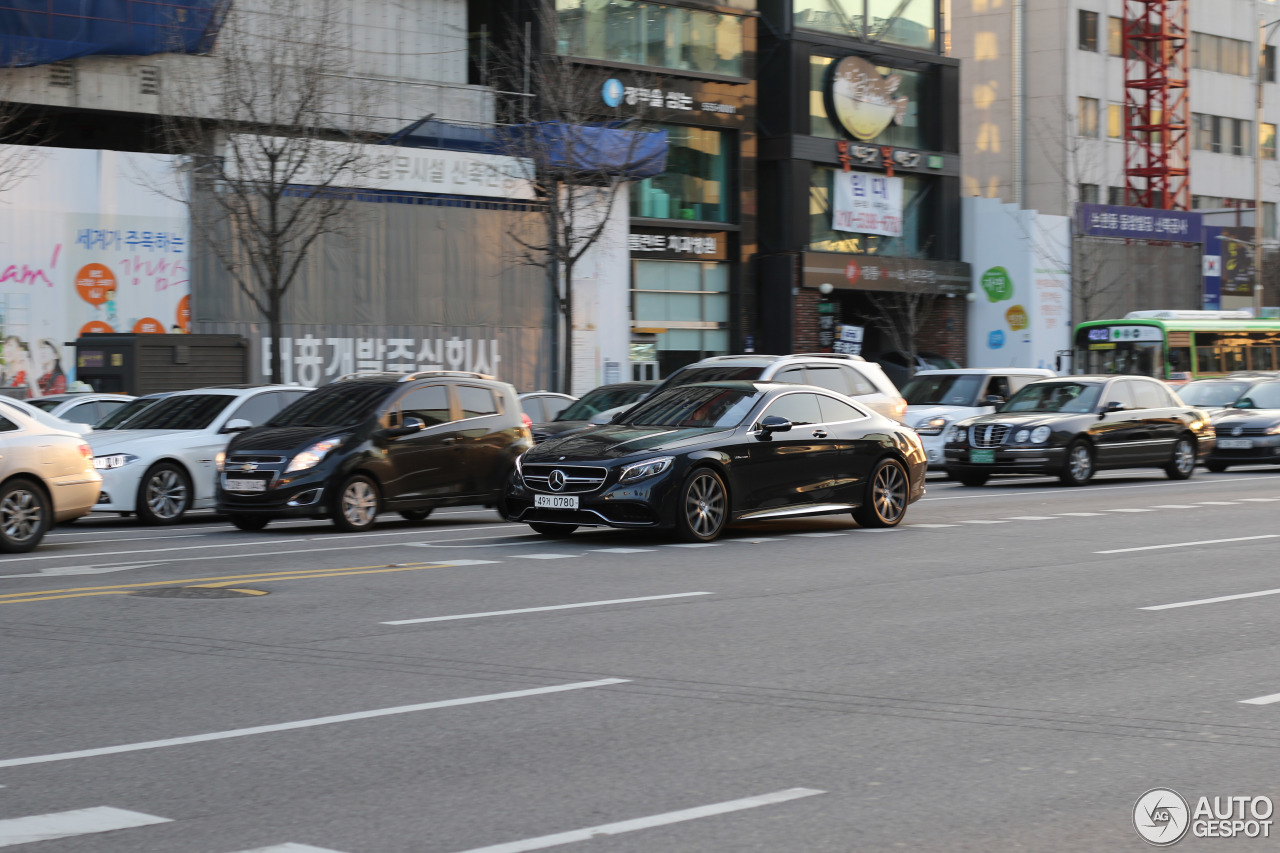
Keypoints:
pixel 972 478
pixel 25 516
pixel 704 507
pixel 1079 467
pixel 1216 467
pixel 1183 463
pixel 553 531
pixel 249 522
pixel 415 514
pixel 888 491
pixel 164 495
pixel 355 506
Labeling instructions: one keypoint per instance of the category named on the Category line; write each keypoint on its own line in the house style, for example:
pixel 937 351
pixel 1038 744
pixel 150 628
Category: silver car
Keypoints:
pixel 48 476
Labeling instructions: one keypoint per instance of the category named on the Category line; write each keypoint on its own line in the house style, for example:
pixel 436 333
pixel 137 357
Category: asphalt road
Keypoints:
pixel 984 678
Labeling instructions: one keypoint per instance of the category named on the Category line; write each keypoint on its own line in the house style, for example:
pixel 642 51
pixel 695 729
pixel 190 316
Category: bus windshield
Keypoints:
pixel 1097 352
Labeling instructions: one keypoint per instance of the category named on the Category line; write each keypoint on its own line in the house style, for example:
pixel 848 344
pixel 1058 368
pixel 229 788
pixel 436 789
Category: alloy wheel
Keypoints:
pixel 359 504
pixel 21 515
pixel 1081 463
pixel 704 505
pixel 166 494
pixel 1184 457
pixel 889 492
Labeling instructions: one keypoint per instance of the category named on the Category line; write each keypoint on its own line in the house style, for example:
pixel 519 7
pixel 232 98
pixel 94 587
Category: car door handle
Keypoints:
pixel 819 433
pixel 450 440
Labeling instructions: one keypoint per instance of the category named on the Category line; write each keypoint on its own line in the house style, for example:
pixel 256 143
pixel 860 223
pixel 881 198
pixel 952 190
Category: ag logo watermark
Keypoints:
pixel 1163 817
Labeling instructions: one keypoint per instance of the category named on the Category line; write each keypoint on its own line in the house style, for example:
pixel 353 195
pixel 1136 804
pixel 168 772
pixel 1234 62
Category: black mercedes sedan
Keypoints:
pixel 1074 426
pixel 695 458
pixel 1249 431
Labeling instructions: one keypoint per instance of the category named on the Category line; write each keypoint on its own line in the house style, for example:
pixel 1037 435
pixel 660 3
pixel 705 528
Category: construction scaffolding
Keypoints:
pixel 1157 142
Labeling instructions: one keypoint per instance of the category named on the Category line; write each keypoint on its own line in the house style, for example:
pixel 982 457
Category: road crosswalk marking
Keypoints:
pixel 46 827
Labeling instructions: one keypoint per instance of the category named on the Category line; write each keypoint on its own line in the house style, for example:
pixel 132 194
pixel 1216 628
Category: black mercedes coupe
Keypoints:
pixel 1073 426
pixel 695 458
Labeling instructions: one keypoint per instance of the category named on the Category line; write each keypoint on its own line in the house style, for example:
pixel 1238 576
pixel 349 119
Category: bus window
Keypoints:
pixel 1208 359
pixel 1262 358
pixel 1179 359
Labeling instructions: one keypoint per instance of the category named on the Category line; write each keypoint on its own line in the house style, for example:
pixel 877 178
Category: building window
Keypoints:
pixel 911 23
pixel 1215 134
pixel 1088 193
pixel 1115 195
pixel 696 182
pixel 911 85
pixel 1218 53
pixel 1115 36
pixel 1241 144
pixel 1205 202
pixel 1087 117
pixel 823 238
pixel 1269 63
pixel 1269 220
pixel 689 296
pixel 650 34
pixel 1115 121
pixel 1088 30
pixel 1267 141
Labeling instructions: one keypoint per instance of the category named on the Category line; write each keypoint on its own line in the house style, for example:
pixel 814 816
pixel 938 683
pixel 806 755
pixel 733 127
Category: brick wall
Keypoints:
pixel 804 334
pixel 945 332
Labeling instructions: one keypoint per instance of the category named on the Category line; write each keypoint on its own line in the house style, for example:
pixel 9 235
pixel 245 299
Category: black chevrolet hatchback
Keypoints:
pixel 371 442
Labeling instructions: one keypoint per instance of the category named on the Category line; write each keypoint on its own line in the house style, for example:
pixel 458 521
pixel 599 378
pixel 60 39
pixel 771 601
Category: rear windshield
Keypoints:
pixel 1212 393
pixel 599 400
pixel 341 404
pixel 122 414
pixel 697 407
pixel 947 390
pixel 185 411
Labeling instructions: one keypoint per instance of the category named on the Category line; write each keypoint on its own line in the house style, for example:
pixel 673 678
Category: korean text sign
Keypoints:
pixel 867 203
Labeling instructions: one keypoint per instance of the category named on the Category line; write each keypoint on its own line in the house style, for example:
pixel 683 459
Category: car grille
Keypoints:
pixel 578 479
pixel 1230 432
pixel 242 458
pixel 988 435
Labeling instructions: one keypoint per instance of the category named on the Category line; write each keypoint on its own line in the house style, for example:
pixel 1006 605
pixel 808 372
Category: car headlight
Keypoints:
pixel 313 455
pixel 953 434
pixel 1040 434
pixel 1273 429
pixel 115 460
pixel 1021 436
pixel 644 470
pixel 220 460
pixel 931 426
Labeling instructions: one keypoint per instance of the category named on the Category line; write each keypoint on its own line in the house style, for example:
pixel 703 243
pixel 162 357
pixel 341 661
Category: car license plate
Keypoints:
pixel 555 501
pixel 246 485
pixel 1235 443
pixel 982 456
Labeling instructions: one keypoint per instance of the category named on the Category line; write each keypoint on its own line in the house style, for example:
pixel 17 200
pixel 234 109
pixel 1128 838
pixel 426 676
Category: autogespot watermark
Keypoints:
pixel 1163 817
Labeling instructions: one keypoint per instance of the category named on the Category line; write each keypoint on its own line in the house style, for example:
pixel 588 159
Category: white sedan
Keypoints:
pixel 82 408
pixel 165 462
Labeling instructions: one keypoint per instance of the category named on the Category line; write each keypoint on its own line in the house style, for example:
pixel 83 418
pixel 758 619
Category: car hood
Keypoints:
pixel 283 438
pixel 1026 419
pixel 1256 418
pixel 551 429
pixel 615 442
pixel 915 414
pixel 118 440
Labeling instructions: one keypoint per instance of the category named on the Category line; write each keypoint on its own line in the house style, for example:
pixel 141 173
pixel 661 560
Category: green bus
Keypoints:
pixel 1177 345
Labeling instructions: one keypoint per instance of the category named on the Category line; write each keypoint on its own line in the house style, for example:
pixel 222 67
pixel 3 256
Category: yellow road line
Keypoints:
pixel 125 589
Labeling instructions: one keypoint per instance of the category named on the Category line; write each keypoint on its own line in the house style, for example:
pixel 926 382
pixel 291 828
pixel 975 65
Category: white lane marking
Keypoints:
pixel 1262 700
pixel 696 545
pixel 1218 503
pixel 1213 600
pixel 985 521
pixel 1031 518
pixel 1081 514
pixel 57 571
pixel 818 535
pixel 1189 544
pixel 544 609
pixel 932 526
pixel 45 827
pixel 331 538
pixel 133 539
pixel 1259 500
pixel 621 550
pixel 544 841
pixel 543 556
pixel 760 539
pixel 467 562
pixel 289 848
pixel 1094 488
pixel 1131 510
pixel 304 724
pixel 1176 506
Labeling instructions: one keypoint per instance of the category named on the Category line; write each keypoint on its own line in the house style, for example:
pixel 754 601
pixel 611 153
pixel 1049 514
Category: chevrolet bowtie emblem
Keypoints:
pixel 249 466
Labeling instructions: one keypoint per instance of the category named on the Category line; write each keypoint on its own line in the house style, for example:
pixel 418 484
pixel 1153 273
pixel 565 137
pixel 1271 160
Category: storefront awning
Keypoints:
pixel 877 272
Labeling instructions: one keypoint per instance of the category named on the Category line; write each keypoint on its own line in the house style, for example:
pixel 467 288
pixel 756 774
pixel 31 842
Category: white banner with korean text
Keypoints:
pixel 867 203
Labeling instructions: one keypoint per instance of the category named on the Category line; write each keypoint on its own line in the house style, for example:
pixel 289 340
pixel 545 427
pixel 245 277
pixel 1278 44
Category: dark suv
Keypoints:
pixel 376 441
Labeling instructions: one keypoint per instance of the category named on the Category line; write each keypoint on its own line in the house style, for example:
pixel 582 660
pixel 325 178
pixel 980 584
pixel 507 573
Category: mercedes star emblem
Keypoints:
pixel 556 480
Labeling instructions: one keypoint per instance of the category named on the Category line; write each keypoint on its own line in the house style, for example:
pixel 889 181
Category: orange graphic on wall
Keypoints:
pixel 95 282
pixel 184 313
pixel 148 326
pixel 96 327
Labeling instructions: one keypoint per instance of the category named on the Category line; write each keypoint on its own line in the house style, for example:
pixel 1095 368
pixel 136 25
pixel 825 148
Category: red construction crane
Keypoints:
pixel 1157 142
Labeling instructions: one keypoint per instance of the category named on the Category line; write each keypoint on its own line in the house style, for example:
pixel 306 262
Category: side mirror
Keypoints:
pixel 1113 406
pixel 994 400
pixel 236 425
pixel 1245 403
pixel 773 424
pixel 408 426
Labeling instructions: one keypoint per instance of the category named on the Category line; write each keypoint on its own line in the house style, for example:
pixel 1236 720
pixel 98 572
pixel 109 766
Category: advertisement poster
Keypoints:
pixel 90 241
pixel 867 203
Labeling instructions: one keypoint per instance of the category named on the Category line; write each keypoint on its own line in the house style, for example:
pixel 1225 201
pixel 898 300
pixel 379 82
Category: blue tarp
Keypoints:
pixel 37 32
pixel 558 145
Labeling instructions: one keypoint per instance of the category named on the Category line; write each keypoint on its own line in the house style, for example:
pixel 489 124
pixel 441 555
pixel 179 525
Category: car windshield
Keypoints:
pixel 1263 396
pixel 183 411
pixel 594 402
pixel 341 404
pixel 122 414
pixel 699 407
pixel 45 404
pixel 946 390
pixel 1212 393
pixel 1073 397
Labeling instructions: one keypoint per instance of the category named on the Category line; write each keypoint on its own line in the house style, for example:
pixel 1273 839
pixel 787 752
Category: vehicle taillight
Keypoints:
pixel 86 451
pixel 900 409
pixel 528 423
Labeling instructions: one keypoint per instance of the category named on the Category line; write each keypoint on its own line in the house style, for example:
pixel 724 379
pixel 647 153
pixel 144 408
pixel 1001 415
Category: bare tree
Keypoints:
pixel 901 316
pixel 271 124
pixel 550 124
pixel 21 130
